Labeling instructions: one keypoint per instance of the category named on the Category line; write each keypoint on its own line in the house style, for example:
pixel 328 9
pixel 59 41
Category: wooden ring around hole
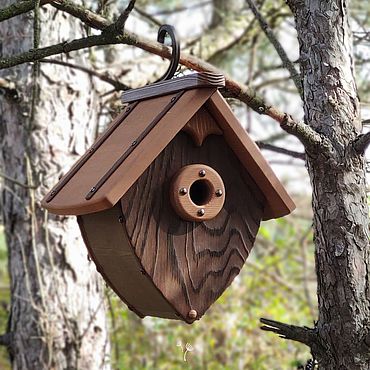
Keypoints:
pixel 197 193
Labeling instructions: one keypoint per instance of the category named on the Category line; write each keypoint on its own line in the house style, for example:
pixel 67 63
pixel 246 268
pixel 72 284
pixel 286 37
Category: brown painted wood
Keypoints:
pixel 193 81
pixel 108 245
pixel 197 193
pixel 71 198
pixel 279 202
pixel 192 263
pixel 201 125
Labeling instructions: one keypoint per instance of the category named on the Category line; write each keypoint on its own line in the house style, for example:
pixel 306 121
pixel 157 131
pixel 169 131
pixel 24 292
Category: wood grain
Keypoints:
pixel 71 198
pixel 279 203
pixel 192 263
pixel 186 205
pixel 201 125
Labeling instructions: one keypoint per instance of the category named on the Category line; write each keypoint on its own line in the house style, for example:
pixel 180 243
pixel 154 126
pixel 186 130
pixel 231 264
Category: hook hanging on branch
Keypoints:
pixel 175 44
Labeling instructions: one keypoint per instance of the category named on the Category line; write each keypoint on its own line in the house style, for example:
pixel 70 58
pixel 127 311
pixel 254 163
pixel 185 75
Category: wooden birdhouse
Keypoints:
pixel 170 197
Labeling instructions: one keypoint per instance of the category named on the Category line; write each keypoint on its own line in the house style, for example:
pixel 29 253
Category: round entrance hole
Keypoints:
pixel 197 193
pixel 201 192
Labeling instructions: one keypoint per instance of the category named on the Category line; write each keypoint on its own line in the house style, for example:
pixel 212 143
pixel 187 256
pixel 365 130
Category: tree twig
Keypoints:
pixel 148 16
pixel 104 77
pixel 361 143
pixel 300 334
pixel 277 45
pixel 16 182
pixel 234 89
pixel 119 24
pixel 18 8
pixel 276 149
pixel 6 339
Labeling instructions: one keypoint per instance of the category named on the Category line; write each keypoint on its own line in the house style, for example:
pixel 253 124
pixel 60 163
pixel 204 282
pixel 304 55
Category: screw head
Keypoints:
pixel 201 212
pixel 193 314
pixel 261 109
pixel 183 191
pixel 202 173
pixel 93 189
pixel 219 193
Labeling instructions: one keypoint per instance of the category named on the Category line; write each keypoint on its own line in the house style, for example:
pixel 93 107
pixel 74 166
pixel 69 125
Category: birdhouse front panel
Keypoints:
pixel 170 198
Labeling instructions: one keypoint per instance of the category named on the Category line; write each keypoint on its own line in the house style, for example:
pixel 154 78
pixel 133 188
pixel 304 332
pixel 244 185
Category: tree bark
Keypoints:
pixel 57 318
pixel 341 225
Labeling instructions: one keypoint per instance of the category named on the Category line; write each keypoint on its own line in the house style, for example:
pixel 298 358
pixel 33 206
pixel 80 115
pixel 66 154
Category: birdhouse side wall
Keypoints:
pixel 108 245
pixel 192 263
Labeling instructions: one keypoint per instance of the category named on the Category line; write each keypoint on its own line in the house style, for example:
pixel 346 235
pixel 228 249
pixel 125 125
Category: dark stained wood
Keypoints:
pixel 192 263
pixel 108 245
pixel 191 81
pixel 201 125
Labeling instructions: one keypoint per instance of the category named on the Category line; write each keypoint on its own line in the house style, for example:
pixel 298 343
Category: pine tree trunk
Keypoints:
pixel 341 226
pixel 57 316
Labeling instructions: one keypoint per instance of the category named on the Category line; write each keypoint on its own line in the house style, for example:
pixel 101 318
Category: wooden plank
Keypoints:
pixel 193 81
pixel 192 263
pixel 279 203
pixel 71 199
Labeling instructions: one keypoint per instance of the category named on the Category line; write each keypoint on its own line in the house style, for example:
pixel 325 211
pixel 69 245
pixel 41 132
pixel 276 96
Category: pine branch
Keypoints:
pixel 18 8
pixel 234 89
pixel 300 334
pixel 6 339
pixel 119 24
pixel 276 149
pixel 294 74
pixel 361 143
pixel 118 86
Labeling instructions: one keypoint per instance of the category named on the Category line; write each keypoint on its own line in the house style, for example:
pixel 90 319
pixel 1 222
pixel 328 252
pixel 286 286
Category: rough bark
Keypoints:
pixel 341 226
pixel 57 318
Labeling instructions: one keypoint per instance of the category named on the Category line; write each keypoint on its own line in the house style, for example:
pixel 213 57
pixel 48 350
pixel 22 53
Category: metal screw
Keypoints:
pixel 173 99
pixel 261 109
pixel 201 212
pixel 202 173
pixel 128 109
pixel 93 189
pixel 53 192
pixel 134 143
pixel 91 150
pixel 219 193
pixel 120 219
pixel 193 314
pixel 183 191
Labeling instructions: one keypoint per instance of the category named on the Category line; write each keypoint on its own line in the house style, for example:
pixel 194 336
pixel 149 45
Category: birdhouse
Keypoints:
pixel 170 197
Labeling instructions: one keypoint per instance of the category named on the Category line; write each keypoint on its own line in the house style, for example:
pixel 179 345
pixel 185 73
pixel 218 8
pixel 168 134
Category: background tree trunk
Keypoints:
pixel 341 228
pixel 58 316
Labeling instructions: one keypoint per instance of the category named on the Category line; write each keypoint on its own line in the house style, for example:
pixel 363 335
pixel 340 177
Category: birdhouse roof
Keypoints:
pixel 155 115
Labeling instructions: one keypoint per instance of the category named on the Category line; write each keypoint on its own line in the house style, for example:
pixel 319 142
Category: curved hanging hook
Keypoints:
pixel 175 57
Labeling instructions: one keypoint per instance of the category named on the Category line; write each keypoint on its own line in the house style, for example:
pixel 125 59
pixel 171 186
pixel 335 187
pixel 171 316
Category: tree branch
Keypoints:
pixel 18 8
pixel 6 339
pixel 119 24
pixel 278 47
pixel 104 77
pixel 361 143
pixel 300 334
pixel 313 142
pixel 276 149
pixel 234 89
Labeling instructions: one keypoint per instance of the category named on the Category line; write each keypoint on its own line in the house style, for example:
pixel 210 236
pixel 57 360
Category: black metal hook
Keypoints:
pixel 175 43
